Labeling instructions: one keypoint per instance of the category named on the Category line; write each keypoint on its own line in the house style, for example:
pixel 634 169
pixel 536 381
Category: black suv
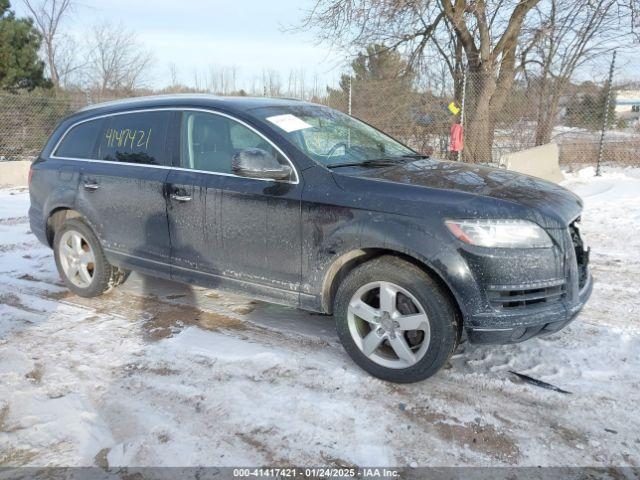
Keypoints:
pixel 301 205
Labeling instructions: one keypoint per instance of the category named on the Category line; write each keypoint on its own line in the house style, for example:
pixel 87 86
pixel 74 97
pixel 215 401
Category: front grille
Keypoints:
pixel 582 255
pixel 509 297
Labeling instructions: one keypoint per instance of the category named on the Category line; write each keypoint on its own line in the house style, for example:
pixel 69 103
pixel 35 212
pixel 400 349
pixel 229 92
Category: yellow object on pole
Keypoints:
pixel 453 108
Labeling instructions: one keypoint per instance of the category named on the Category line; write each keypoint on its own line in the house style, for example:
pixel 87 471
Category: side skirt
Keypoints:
pixel 265 293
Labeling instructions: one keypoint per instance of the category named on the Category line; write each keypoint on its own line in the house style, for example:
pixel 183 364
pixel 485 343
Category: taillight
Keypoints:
pixel 30 175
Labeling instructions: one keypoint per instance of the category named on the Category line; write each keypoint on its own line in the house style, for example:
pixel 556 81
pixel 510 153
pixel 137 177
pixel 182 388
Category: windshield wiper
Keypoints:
pixel 376 162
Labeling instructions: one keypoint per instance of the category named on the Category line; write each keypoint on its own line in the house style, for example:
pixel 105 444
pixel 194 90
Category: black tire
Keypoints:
pixel 105 276
pixel 442 317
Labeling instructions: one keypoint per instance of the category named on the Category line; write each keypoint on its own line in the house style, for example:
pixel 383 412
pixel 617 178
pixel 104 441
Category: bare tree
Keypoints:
pixel 196 80
pixel 173 74
pixel 48 16
pixel 316 90
pixel 222 79
pixel 489 33
pixel 234 72
pixel 574 33
pixel 296 83
pixel 271 86
pixel 117 60
pixel 490 36
pixel 70 61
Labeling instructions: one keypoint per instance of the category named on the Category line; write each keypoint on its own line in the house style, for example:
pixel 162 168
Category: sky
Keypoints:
pixel 250 35
pixel 196 34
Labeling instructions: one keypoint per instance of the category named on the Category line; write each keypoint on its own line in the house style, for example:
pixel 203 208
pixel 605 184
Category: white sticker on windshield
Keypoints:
pixel 289 123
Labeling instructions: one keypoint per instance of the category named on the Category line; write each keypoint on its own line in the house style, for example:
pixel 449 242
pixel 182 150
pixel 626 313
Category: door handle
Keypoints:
pixel 91 186
pixel 180 198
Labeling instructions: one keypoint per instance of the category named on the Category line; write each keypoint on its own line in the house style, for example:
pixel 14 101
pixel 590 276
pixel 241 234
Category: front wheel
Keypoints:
pixel 81 261
pixel 395 321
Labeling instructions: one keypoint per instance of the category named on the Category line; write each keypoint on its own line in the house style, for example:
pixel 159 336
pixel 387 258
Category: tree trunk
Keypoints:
pixel 479 122
pixel 548 111
pixel 55 79
pixel 546 122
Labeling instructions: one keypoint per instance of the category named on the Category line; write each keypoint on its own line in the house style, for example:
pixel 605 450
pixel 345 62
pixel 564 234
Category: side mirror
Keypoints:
pixel 258 163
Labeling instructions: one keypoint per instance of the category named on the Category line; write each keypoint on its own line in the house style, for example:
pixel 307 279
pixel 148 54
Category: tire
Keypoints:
pixel 416 296
pixel 102 276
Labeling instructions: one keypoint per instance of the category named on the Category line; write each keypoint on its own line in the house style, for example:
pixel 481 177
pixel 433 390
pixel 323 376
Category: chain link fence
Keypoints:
pixel 527 115
pixel 571 116
pixel 28 119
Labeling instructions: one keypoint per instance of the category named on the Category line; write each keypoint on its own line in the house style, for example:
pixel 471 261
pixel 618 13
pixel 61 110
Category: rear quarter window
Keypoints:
pixel 81 140
pixel 135 138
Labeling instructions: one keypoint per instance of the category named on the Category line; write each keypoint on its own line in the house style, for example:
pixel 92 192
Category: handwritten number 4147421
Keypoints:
pixel 128 138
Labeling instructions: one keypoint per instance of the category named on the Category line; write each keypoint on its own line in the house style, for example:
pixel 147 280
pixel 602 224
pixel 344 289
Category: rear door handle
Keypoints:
pixel 91 186
pixel 180 198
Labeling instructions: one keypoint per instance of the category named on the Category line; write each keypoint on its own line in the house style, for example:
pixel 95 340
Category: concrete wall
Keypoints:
pixel 14 174
pixel 541 162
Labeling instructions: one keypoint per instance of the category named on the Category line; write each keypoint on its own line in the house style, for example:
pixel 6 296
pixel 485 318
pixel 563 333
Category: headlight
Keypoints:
pixel 500 233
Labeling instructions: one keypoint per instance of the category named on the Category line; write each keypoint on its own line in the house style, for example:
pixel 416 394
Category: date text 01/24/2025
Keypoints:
pixel 328 472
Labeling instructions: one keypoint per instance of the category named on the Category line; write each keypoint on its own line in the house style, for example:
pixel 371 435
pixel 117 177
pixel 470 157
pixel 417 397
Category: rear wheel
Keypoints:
pixel 395 321
pixel 81 261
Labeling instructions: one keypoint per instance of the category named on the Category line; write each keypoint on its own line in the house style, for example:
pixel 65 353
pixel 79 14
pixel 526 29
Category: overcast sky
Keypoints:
pixel 195 34
pixel 248 34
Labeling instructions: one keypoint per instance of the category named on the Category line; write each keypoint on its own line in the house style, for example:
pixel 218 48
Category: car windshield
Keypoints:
pixel 332 138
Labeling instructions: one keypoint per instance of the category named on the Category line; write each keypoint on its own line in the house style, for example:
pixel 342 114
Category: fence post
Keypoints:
pixel 605 121
pixel 349 95
pixel 464 94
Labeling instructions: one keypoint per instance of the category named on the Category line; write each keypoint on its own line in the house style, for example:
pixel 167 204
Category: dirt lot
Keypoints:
pixel 157 373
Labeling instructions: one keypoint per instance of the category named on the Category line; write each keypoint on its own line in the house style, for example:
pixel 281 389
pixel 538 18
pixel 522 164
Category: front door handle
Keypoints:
pixel 91 186
pixel 180 198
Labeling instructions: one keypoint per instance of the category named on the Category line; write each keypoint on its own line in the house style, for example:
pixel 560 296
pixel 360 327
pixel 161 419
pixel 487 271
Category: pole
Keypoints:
pixel 464 94
pixel 349 132
pixel 349 94
pixel 605 121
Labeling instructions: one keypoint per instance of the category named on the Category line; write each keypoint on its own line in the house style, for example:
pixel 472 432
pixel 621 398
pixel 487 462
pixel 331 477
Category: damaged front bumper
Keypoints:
pixel 520 325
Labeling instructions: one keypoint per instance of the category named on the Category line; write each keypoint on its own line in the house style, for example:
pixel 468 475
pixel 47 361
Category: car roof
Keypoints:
pixel 190 100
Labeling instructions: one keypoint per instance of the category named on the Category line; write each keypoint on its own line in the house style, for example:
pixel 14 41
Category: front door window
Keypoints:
pixel 210 141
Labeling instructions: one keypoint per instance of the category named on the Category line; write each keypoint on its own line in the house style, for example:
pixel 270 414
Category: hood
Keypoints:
pixel 544 197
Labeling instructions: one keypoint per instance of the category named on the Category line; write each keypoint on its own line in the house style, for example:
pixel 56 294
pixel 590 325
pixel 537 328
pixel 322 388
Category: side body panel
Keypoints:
pixel 232 232
pixel 261 232
pixel 127 211
pixel 194 226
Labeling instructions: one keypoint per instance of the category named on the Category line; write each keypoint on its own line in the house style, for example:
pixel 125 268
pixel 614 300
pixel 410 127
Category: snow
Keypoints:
pixel 560 132
pixel 186 376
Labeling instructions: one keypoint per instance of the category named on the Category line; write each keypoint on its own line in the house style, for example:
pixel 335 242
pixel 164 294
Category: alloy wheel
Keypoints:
pixel 77 258
pixel 389 325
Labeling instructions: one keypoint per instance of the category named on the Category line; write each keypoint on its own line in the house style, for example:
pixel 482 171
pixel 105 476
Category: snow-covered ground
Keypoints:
pixel 157 373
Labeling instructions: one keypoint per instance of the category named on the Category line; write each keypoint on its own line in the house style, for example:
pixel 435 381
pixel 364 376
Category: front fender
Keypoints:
pixel 339 242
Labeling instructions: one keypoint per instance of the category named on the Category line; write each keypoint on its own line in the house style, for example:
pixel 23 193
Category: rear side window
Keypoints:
pixel 135 138
pixel 81 140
